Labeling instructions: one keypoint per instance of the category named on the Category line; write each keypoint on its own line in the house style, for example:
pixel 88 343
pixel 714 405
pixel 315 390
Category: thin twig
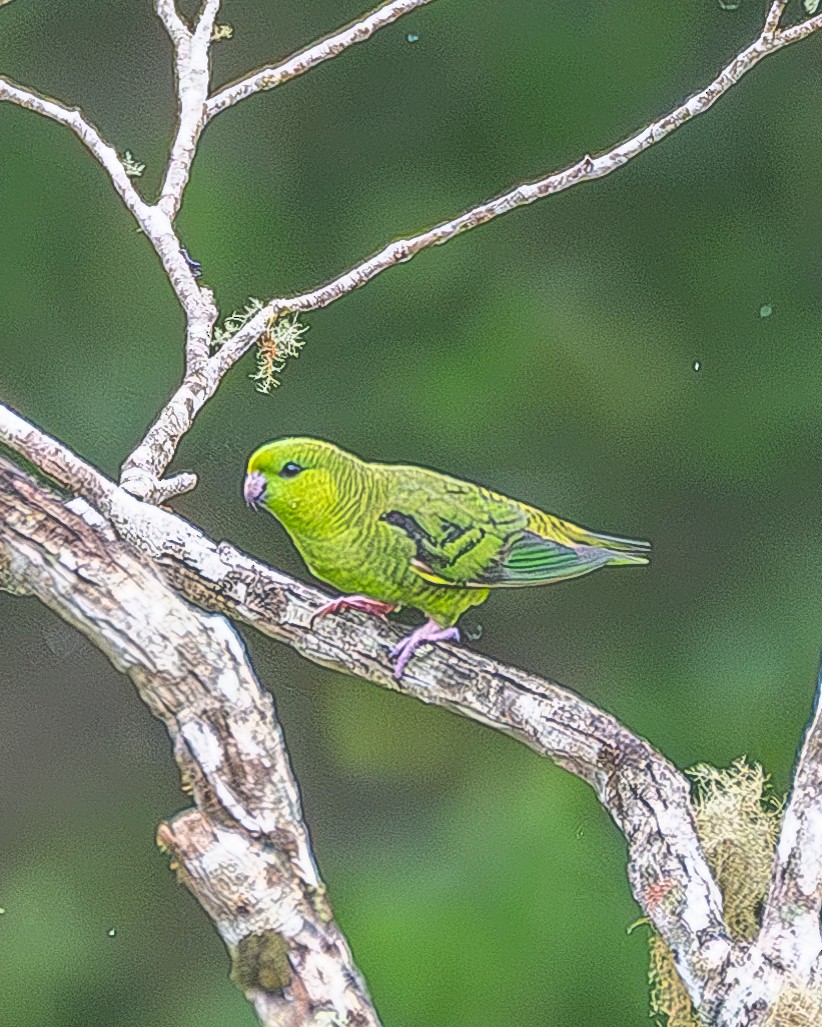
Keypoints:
pixel 155 224
pixel 305 60
pixel 147 464
pixel 102 151
pixel 587 169
pixel 192 71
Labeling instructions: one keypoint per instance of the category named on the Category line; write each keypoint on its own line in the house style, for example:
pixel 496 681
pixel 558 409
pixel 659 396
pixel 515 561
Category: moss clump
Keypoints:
pixel 260 963
pixel 737 820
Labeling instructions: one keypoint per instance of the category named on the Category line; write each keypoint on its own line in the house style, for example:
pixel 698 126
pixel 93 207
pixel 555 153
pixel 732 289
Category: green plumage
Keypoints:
pixel 409 536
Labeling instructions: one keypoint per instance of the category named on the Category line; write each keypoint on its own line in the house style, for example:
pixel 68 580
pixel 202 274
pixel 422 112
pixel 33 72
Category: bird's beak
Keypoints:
pixel 254 489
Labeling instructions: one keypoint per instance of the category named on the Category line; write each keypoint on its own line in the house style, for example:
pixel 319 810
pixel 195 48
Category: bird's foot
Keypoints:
pixel 428 632
pixel 363 603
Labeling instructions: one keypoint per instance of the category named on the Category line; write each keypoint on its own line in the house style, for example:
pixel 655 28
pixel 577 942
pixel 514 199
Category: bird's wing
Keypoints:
pixel 469 537
pixel 531 559
pixel 457 528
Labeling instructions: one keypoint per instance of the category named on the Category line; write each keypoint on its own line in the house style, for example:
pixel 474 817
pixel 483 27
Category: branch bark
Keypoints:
pixel 192 71
pixel 791 931
pixel 102 151
pixel 244 852
pixel 155 224
pixel 305 60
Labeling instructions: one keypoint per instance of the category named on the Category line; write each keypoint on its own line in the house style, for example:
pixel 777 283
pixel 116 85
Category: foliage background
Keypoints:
pixel 550 354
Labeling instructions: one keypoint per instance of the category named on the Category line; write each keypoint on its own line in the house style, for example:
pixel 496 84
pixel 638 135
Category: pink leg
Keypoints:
pixel 363 603
pixel 429 632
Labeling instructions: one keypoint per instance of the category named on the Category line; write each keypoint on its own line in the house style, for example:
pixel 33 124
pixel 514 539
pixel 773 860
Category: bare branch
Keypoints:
pixel 154 223
pixel 646 796
pixel 305 60
pixel 774 16
pixel 167 12
pixel 587 169
pixel 790 922
pixel 247 832
pixel 141 473
pixel 103 152
pixel 289 956
pixel 192 71
pixel 146 465
pixel 177 485
pixel 305 985
pixel 197 301
pixel 143 469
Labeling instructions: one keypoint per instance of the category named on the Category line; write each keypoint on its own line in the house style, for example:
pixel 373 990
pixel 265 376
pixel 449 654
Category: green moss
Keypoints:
pixel 260 963
pixel 737 819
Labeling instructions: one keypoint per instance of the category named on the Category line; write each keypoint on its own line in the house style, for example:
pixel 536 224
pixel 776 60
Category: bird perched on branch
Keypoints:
pixel 392 535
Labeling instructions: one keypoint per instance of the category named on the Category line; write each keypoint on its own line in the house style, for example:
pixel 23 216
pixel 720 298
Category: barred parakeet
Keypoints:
pixel 391 535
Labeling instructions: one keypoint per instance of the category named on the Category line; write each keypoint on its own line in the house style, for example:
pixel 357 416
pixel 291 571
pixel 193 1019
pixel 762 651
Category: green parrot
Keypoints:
pixel 390 535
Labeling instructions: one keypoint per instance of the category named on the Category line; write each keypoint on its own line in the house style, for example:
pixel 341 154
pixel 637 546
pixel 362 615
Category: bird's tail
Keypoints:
pixel 624 550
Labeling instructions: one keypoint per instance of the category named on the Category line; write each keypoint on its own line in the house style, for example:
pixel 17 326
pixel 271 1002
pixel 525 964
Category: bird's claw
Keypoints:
pixel 428 632
pixel 362 603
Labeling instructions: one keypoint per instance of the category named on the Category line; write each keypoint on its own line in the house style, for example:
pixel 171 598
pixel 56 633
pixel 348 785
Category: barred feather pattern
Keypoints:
pixel 415 537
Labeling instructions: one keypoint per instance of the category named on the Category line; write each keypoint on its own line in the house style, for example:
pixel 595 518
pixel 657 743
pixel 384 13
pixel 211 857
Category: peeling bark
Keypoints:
pixel 244 851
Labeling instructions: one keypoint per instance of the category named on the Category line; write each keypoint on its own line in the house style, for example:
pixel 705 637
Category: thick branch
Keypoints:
pixel 158 448
pixel 646 796
pixel 305 60
pixel 245 851
pixel 790 923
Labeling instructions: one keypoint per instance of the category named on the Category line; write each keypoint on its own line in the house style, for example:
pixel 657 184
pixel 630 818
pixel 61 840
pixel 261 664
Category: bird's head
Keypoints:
pixel 299 480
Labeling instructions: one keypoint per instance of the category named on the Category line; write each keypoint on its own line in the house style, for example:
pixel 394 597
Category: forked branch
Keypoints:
pixel 192 69
pixel 155 453
pixel 227 740
pixel 791 929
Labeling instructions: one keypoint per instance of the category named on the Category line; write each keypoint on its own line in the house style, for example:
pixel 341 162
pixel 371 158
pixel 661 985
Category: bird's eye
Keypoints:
pixel 290 470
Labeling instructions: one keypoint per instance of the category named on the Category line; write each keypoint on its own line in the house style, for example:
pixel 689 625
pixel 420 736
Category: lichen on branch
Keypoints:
pixel 737 817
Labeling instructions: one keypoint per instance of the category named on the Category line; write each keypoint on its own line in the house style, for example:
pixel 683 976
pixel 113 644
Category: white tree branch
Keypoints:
pixel 732 984
pixel 192 71
pixel 774 16
pixel 105 154
pixel 791 930
pixel 585 170
pixel 146 465
pixel 155 224
pixel 646 796
pixel 178 31
pixel 245 851
pixel 305 60
pixel 247 833
pixel 141 472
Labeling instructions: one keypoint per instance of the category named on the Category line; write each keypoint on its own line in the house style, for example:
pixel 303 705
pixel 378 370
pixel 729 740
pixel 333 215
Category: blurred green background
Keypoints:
pixel 550 355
